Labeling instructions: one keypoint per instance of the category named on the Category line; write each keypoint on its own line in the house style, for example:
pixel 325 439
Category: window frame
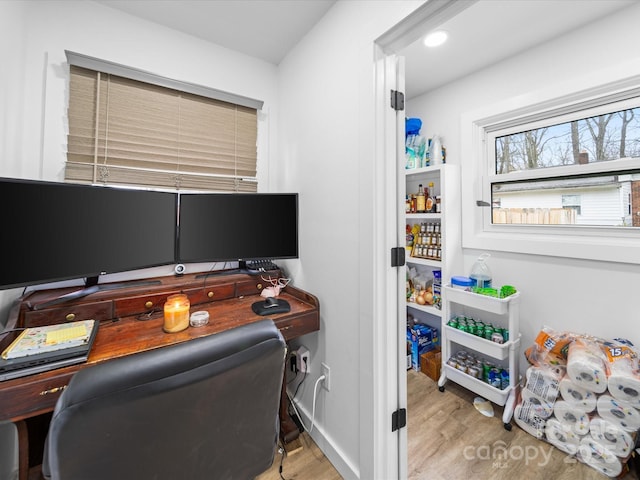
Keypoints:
pixel 478 130
pixel 213 176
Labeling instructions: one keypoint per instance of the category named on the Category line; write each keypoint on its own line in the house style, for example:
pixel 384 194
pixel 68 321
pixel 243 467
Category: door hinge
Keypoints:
pixel 397 256
pixel 398 419
pixel 397 100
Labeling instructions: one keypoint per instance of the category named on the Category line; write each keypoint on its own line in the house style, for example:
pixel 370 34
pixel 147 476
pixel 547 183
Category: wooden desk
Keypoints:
pixel 131 321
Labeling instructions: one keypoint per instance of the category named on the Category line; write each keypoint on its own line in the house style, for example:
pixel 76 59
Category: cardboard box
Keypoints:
pixel 430 363
pixel 421 339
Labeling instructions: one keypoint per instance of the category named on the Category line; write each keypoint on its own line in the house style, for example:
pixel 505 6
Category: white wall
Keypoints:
pixel 327 138
pixel 585 296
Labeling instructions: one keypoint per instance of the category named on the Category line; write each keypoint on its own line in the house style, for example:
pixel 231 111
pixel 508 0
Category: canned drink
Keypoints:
pixel 472 328
pixel 488 331
pixel 494 377
pixel 505 334
pixel 504 379
pixel 453 323
pixel 480 330
pixel 486 367
pixel 497 337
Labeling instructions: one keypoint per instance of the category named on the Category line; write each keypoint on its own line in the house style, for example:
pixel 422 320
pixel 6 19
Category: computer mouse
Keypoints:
pixel 271 302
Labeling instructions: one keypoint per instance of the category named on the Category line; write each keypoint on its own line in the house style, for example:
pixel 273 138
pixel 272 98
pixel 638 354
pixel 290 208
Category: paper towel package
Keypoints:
pixel 561 436
pixel 624 376
pixel 537 404
pixel 611 436
pixel 544 383
pixel 599 457
pixel 592 412
pixel 571 417
pixel 586 366
pixel 619 413
pixel 527 420
pixel 578 396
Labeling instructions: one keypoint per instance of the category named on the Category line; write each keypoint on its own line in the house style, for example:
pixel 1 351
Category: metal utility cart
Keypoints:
pixel 500 312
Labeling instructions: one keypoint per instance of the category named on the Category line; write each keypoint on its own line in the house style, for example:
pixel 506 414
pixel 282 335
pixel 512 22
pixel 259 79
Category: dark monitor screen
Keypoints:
pixel 237 226
pixel 59 231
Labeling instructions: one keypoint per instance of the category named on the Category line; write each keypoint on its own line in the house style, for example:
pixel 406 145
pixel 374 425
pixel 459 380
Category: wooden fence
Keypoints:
pixel 534 216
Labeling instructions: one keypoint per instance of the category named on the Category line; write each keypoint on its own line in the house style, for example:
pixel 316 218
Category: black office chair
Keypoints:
pixel 203 409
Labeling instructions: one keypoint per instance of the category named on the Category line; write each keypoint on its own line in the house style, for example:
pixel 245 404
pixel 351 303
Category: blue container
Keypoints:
pixel 463 283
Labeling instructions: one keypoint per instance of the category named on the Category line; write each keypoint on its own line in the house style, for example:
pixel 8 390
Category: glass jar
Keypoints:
pixel 176 313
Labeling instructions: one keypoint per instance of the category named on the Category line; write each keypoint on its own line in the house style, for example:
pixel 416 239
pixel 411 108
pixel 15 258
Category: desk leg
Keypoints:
pixel 23 450
pixel 288 428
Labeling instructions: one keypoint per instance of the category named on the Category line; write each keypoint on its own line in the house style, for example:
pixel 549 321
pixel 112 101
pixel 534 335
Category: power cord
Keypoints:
pixel 313 411
pixel 283 453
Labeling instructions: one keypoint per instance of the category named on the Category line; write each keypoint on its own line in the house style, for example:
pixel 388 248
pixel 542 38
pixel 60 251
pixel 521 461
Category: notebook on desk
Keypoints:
pixel 39 349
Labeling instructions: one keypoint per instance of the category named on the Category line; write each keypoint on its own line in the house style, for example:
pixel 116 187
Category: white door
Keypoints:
pixel 394 121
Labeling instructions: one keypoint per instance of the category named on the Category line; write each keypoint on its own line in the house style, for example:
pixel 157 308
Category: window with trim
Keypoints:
pixel 556 176
pixel 575 169
pixel 128 127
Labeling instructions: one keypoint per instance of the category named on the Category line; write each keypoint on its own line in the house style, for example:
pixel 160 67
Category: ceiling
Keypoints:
pixel 489 31
pixel 263 29
pixel 486 32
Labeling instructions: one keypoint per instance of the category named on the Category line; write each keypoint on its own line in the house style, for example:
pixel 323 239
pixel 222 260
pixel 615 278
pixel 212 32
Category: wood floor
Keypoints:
pixel 448 439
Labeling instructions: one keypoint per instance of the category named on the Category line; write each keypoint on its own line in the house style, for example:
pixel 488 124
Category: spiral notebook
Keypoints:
pixel 39 349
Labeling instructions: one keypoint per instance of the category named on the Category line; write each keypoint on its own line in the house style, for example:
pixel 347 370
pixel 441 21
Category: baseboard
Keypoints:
pixel 325 443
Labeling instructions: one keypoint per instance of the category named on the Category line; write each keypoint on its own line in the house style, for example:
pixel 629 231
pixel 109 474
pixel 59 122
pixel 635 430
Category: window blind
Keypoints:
pixel 128 132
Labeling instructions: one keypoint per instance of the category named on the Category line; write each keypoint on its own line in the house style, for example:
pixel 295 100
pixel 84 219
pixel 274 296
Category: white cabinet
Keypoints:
pixel 479 351
pixel 446 181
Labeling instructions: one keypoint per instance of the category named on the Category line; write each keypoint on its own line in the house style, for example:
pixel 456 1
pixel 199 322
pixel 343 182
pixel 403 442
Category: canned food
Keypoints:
pixel 474 371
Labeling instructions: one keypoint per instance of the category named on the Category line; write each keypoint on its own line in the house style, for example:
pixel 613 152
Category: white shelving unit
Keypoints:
pixel 446 179
pixel 502 312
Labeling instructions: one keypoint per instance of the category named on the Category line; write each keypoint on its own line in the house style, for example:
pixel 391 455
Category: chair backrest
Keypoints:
pixel 202 409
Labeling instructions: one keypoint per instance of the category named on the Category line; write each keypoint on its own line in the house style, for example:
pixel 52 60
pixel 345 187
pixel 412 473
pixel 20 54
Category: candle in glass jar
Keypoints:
pixel 176 313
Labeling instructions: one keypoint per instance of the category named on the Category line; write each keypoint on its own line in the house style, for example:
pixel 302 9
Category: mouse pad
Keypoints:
pixel 261 308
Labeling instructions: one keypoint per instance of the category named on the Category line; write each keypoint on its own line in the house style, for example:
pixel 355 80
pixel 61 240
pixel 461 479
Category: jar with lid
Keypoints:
pixel 176 313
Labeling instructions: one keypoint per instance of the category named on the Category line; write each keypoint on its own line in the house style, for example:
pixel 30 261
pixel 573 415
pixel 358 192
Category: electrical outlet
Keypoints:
pixel 302 360
pixel 326 371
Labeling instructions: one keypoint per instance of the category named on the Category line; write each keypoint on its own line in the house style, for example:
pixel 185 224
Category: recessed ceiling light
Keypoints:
pixel 436 38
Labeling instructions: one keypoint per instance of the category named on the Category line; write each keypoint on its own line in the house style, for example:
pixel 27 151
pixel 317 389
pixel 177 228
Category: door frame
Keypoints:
pixel 391 459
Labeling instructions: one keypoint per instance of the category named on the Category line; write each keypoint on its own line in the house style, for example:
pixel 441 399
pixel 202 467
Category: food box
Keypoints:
pixel 430 363
pixel 421 339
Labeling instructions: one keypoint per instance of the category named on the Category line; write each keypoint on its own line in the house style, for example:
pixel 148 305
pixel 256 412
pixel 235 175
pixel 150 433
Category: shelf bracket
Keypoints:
pixel 398 419
pixel 397 256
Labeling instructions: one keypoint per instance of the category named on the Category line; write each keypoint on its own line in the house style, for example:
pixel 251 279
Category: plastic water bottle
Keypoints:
pixel 480 272
pixel 435 151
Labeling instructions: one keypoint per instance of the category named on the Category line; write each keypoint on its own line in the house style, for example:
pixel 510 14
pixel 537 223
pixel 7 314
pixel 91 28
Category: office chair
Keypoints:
pixel 202 409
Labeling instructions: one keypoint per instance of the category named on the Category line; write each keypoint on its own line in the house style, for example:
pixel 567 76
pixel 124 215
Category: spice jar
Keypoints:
pixel 176 313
